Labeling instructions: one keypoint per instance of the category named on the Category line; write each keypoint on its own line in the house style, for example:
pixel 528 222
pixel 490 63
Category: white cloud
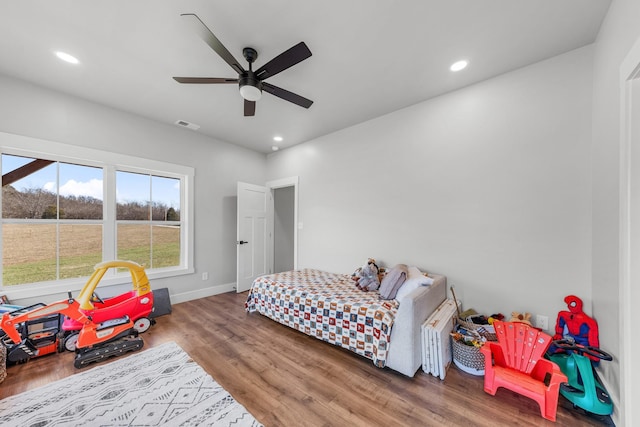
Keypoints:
pixel 92 188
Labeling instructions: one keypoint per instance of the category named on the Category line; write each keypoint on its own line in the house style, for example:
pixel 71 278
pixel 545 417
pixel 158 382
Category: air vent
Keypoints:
pixel 186 124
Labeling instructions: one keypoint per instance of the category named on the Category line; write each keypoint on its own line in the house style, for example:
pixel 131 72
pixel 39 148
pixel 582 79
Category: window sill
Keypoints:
pixel 46 289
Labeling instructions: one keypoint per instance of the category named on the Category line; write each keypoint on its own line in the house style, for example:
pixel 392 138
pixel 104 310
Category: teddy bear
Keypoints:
pixel 366 277
pixel 520 317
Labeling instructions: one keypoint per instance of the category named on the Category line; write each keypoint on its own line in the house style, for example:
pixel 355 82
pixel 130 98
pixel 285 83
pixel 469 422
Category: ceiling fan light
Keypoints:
pixel 250 93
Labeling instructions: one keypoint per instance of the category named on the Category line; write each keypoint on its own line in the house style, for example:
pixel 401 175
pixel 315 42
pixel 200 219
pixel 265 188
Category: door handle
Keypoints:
pixel 241 242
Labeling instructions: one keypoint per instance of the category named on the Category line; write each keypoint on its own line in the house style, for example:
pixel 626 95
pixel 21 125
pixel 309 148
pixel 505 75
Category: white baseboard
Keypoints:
pixel 202 293
pixel 615 398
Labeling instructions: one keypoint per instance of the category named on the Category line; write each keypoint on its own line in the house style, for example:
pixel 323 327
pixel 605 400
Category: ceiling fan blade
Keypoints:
pixel 209 38
pixel 286 59
pixel 286 95
pixel 249 108
pixel 204 80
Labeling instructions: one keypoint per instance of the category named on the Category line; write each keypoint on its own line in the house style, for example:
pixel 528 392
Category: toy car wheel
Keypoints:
pixel 70 342
pixel 142 325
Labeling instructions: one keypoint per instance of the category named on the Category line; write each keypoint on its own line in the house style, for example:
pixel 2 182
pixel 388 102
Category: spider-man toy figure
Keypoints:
pixel 576 325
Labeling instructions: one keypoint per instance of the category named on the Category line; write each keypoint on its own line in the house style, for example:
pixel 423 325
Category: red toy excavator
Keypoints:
pixel 99 338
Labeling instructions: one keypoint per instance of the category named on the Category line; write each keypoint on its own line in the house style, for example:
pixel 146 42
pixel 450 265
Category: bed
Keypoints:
pixel 329 307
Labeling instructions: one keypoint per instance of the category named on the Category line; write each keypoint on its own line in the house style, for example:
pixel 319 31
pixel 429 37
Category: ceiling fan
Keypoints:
pixel 251 82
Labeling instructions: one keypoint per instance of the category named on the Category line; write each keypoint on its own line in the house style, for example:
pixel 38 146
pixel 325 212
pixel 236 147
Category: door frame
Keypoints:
pixel 282 183
pixel 629 268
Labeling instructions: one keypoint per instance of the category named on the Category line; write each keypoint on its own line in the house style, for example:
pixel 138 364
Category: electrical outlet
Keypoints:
pixel 542 322
pixel 205 276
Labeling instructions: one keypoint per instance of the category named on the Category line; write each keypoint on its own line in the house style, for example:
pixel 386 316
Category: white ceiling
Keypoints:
pixel 370 57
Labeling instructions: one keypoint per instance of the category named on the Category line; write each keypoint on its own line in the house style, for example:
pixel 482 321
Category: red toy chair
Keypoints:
pixel 516 362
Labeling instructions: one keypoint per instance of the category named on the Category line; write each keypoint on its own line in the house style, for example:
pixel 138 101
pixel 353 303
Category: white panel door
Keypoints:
pixel 253 234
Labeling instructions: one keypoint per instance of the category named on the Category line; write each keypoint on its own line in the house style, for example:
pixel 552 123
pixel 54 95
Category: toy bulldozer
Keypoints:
pixel 103 330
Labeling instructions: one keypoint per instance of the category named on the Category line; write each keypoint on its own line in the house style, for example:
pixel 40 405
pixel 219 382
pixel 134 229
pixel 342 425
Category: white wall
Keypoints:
pixel 618 33
pixel 489 185
pixel 32 111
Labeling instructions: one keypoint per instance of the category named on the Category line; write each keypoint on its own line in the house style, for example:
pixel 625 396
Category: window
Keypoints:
pixel 51 220
pixel 148 219
pixel 60 217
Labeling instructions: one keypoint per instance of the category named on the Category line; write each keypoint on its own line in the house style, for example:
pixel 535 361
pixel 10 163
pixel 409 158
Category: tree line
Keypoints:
pixel 37 203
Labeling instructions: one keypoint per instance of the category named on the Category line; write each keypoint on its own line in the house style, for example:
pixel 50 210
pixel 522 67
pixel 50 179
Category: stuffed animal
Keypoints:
pixel 366 277
pixel 520 317
pixel 494 317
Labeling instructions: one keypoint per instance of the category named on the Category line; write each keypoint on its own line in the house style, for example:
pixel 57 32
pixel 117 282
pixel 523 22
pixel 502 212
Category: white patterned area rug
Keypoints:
pixel 159 386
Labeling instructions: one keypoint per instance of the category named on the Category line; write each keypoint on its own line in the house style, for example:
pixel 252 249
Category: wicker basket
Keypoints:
pixel 487 333
pixel 468 357
pixel 3 362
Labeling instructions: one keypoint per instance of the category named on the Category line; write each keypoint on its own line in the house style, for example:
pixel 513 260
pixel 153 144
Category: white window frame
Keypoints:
pixel 110 162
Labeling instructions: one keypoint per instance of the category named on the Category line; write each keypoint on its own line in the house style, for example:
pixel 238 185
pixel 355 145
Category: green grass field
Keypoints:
pixel 29 250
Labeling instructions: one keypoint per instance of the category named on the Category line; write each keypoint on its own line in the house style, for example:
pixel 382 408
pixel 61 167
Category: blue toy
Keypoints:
pixel 584 389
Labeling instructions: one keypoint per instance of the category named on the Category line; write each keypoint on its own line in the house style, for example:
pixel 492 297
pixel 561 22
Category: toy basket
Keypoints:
pixel 468 357
pixel 485 331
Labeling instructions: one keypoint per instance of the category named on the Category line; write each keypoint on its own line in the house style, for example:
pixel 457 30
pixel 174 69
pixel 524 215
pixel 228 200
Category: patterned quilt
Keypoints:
pixel 329 307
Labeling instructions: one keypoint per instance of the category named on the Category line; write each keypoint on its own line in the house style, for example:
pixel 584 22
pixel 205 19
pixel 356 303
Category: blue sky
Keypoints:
pixel 88 181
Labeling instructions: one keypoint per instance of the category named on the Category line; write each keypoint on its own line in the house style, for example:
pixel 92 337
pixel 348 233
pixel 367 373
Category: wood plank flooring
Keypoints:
pixel 285 378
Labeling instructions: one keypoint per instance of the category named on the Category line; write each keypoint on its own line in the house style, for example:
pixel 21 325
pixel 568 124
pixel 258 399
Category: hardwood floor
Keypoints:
pixel 285 378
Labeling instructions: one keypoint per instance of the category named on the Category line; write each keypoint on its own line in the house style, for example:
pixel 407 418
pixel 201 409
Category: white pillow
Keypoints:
pixel 415 279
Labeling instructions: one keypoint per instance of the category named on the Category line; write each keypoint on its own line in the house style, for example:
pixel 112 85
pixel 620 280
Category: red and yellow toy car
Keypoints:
pixel 137 304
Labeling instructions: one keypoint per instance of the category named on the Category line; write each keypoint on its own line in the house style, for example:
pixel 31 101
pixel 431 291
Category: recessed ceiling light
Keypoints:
pixel 275 148
pixel 277 138
pixel 457 66
pixel 67 58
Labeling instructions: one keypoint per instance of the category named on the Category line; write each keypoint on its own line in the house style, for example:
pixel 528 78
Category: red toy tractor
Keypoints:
pixel 43 335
